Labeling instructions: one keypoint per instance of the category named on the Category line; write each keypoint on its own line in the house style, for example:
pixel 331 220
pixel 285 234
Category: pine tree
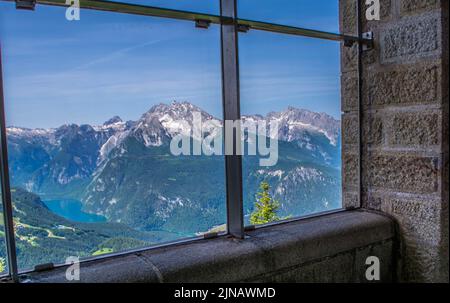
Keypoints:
pixel 265 206
pixel 2 265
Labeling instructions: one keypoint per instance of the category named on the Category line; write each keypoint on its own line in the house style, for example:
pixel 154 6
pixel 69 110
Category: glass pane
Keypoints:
pixel 292 82
pixel 319 15
pixel 199 6
pixel 86 182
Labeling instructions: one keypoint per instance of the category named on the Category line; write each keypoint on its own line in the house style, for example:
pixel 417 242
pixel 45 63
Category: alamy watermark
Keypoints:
pixel 373 270
pixel 73 270
pixel 73 11
pixel 249 137
pixel 373 11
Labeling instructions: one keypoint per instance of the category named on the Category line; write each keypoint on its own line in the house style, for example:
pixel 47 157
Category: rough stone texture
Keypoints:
pixel 349 92
pixel 124 269
pixel 318 272
pixel 417 36
pixel 421 262
pixel 373 129
pixel 408 6
pixel 349 170
pixel 330 248
pixel 350 199
pixel 420 230
pixel 416 129
pixel 405 147
pixel 350 131
pixel 349 58
pixel 347 17
pixel 411 174
pixel 418 220
pixel 418 216
pixel 335 268
pixel 411 85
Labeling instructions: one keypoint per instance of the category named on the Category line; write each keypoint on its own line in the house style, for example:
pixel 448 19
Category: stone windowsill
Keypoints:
pixel 330 248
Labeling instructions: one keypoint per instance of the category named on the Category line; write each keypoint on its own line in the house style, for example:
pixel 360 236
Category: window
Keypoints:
pixel 117 124
pixel 286 80
pixel 89 139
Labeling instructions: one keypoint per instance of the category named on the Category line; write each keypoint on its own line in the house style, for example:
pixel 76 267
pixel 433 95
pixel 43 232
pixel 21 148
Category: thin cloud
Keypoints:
pixel 116 54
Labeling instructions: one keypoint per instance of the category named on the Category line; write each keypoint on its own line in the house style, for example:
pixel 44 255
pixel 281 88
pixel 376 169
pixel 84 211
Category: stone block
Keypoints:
pixel 373 202
pixel 420 263
pixel 414 129
pixel 349 58
pixel 349 92
pixel 406 86
pixel 420 219
pixel 412 6
pixel 412 38
pixel 350 199
pixel 348 17
pixel 121 269
pixel 336 269
pixel 412 174
pixel 350 170
pixel 350 129
pixel 215 260
pixel 373 130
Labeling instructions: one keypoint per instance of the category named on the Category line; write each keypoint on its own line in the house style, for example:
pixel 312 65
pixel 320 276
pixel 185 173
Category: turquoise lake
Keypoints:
pixel 71 210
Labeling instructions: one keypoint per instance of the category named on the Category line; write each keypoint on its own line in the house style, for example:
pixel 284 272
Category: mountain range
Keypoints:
pixel 124 170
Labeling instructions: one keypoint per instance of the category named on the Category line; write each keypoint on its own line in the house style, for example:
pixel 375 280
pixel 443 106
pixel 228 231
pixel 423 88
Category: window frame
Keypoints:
pixel 230 25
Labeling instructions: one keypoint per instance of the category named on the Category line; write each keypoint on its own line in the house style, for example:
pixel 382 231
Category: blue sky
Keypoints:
pixel 107 64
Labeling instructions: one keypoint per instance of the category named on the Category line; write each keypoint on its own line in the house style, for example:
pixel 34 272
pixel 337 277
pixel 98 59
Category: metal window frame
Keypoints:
pixel 5 187
pixel 359 30
pixel 230 26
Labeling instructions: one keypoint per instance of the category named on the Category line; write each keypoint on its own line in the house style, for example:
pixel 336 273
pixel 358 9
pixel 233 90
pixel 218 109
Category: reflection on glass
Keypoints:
pixel 285 81
pixel 319 15
pixel 90 164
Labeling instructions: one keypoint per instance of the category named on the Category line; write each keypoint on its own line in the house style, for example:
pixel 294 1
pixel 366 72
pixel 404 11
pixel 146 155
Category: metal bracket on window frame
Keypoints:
pixel 26 4
pixel 360 73
pixel 349 42
pixel 44 267
pixel 250 228
pixel 368 41
pixel 243 28
pixel 202 23
pixel 211 235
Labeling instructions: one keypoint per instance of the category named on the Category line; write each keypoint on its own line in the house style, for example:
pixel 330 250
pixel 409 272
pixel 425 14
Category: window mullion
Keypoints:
pixel 231 111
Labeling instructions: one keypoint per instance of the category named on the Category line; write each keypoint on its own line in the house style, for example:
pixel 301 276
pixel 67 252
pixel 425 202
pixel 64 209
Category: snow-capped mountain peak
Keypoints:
pixel 112 121
pixel 293 120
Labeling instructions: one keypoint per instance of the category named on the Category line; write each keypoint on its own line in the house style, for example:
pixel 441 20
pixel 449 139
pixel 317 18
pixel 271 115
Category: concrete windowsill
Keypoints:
pixel 330 248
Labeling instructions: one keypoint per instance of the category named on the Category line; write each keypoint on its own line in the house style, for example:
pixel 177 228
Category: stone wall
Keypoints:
pixel 405 127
